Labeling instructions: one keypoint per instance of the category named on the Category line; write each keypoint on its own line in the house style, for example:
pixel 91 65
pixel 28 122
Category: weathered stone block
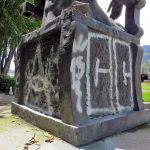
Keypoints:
pixel 83 75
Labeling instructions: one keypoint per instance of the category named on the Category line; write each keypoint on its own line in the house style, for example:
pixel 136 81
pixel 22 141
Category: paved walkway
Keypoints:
pixel 16 133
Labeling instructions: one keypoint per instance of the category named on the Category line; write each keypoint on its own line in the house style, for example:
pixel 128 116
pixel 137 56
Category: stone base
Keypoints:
pixel 83 134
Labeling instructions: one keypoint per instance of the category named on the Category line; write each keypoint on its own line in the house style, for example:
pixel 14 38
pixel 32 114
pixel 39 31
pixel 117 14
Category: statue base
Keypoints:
pixel 80 78
pixel 79 135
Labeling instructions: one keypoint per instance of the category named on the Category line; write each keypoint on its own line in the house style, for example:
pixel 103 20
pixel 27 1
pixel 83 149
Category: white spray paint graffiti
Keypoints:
pixel 78 68
pixel 32 84
pixel 99 70
pixel 81 67
pixel 125 75
pixel 116 74
pixel 80 44
pixel 90 109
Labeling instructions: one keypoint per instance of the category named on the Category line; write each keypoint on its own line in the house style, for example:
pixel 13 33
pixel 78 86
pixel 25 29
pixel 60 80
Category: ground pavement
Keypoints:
pixel 16 134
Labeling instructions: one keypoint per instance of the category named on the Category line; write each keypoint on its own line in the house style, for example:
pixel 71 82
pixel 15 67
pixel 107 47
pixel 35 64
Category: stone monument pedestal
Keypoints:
pixel 79 78
pixel 86 133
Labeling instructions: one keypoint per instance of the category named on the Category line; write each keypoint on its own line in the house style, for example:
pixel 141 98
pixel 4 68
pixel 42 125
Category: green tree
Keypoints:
pixel 12 24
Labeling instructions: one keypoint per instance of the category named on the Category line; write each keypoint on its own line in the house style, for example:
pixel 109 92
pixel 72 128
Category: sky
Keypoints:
pixel 144 19
pixel 145 23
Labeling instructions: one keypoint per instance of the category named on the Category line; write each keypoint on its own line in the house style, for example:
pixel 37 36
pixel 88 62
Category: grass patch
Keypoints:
pixel 146 96
pixel 146 91
pixel 5 121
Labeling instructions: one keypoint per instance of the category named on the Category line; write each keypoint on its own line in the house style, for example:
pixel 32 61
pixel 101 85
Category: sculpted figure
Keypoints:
pixel 50 9
pixel 116 6
pixel 53 8
pixel 37 9
pixel 56 6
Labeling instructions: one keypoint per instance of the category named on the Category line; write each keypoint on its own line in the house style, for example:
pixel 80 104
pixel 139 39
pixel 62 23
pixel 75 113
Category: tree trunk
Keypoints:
pixel 4 55
pixel 0 60
pixel 15 59
pixel 8 62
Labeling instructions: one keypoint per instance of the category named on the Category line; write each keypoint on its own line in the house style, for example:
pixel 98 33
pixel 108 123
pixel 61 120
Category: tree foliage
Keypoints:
pixel 12 24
